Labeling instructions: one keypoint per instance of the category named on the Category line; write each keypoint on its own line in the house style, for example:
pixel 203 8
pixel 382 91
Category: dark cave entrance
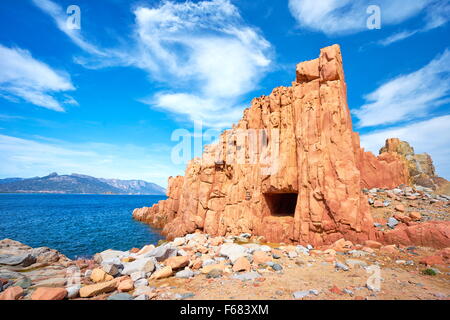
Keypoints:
pixel 281 204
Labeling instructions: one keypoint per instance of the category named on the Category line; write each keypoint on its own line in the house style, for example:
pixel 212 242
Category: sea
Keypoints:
pixel 76 225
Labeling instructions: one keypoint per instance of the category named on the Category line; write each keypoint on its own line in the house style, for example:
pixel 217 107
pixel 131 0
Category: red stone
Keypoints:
pixel 432 260
pixel 11 293
pixel 336 290
pixel 44 293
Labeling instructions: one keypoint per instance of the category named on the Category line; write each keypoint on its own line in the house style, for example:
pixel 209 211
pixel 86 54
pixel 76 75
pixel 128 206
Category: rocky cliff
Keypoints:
pixel 420 167
pixel 291 169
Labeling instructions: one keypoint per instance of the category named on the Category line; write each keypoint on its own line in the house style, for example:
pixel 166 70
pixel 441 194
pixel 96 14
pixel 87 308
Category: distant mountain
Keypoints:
pixel 8 180
pixel 78 183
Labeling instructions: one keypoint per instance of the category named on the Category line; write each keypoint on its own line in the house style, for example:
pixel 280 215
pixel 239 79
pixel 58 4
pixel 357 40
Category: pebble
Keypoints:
pixel 341 266
pixel 349 292
pixel 140 283
pixel 73 291
pixel 182 296
pixel 302 294
pixel 185 274
pixel 303 250
pixel 277 267
pixel 392 222
pixel 214 273
pixel 135 276
pixel 247 276
pixel 120 296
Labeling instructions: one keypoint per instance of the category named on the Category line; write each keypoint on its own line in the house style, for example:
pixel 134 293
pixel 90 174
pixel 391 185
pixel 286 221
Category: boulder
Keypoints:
pixel 261 257
pixel 185 274
pixel 98 275
pixel 146 249
pixel 415 216
pixel 177 262
pixel 43 293
pixel 109 255
pixel 125 285
pixel 242 264
pixel 23 260
pixel 210 267
pixel 73 291
pixel 162 273
pixel 247 276
pixel 162 252
pixel 233 251
pixel 99 288
pixel 140 265
pixel 120 296
pixel 112 268
pixel 12 293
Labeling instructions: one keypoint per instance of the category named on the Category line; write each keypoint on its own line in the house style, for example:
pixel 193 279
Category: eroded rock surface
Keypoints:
pixel 420 166
pixel 301 185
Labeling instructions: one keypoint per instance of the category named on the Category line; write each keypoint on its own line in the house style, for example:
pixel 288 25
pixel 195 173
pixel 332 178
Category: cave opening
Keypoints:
pixel 281 204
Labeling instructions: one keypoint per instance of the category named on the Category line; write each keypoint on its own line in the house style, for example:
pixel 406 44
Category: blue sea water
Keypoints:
pixel 76 225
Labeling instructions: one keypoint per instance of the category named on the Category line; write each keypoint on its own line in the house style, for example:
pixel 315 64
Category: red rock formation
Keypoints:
pixel 310 189
pixel 420 166
pixel 434 234
pixel 388 170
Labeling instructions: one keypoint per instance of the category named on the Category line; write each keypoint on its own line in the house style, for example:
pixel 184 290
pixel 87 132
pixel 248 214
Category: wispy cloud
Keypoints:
pixel 40 156
pixel 431 136
pixel 22 76
pixel 409 96
pixel 205 50
pixel 60 18
pixel 348 16
pixel 437 14
pixel 397 37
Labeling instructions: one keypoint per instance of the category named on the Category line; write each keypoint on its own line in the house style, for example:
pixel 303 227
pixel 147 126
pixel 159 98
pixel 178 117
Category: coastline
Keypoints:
pixel 200 267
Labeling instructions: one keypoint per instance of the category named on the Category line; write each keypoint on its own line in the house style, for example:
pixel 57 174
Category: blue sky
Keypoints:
pixel 104 100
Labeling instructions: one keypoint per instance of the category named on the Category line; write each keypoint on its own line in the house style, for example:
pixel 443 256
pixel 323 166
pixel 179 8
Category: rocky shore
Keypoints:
pixel 199 266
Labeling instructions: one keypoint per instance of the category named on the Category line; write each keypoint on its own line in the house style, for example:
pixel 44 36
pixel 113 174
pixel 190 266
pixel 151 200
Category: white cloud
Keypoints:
pixel 205 50
pixel 217 113
pixel 409 96
pixel 397 37
pixel 348 16
pixel 430 136
pixel 60 18
pixel 40 156
pixel 31 80
pixel 437 14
